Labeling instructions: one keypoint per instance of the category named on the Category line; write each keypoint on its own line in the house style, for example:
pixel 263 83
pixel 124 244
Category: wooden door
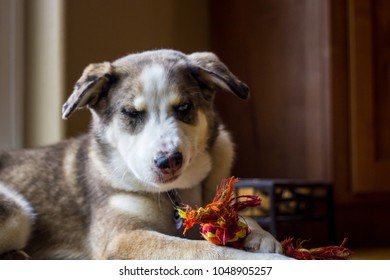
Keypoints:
pixel 369 48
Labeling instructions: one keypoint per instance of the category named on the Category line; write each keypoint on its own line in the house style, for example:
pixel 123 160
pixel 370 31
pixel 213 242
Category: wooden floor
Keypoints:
pixel 371 254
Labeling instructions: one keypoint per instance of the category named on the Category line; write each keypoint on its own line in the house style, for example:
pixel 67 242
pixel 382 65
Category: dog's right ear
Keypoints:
pixel 90 88
pixel 211 71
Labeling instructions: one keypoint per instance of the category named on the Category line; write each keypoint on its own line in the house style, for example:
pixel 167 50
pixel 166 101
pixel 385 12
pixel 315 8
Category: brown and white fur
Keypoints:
pixel 104 195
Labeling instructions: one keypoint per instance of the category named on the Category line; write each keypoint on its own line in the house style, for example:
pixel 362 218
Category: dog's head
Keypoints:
pixel 153 114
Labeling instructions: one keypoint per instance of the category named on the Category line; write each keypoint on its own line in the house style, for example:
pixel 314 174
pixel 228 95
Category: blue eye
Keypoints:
pixel 183 108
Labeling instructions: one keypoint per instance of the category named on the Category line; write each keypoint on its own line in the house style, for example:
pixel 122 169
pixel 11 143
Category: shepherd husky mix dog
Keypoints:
pixel 110 194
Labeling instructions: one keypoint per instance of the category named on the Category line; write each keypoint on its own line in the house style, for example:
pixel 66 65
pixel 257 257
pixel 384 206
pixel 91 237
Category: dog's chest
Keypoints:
pixel 155 210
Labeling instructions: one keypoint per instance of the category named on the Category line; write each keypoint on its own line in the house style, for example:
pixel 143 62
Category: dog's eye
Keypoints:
pixel 131 113
pixel 185 112
pixel 183 108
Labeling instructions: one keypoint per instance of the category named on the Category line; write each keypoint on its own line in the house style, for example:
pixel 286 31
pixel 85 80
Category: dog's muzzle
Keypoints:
pixel 169 163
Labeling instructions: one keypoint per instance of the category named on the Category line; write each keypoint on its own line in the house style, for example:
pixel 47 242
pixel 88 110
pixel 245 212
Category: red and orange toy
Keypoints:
pixel 221 225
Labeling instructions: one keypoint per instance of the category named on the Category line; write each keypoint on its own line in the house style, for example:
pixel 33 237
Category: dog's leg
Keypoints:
pixel 15 220
pixel 144 244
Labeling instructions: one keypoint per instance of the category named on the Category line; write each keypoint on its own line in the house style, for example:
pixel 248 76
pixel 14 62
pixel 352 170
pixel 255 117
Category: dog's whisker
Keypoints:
pixel 159 199
pixel 124 175
pixel 170 198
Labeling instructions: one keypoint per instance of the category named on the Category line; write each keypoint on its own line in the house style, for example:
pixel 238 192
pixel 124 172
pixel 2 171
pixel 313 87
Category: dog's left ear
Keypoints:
pixel 90 88
pixel 212 72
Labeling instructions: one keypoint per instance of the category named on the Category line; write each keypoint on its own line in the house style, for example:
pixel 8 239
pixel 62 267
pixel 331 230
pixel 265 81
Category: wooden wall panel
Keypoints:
pixel 369 92
pixel 381 65
pixel 279 48
pixel 359 214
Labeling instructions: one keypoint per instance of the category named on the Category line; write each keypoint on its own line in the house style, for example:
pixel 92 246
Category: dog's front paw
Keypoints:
pixel 259 240
pixel 262 242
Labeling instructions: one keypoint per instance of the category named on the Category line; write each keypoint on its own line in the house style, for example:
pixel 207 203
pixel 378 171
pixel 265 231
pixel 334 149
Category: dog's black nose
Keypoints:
pixel 169 162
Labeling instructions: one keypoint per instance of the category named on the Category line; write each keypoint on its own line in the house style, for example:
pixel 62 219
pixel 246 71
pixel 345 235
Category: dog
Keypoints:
pixel 154 141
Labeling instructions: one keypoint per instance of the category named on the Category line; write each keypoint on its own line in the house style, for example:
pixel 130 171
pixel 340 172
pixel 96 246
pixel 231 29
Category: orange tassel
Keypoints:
pixel 320 253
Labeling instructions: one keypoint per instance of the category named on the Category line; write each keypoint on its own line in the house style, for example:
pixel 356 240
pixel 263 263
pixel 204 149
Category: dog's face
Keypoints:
pixel 152 113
